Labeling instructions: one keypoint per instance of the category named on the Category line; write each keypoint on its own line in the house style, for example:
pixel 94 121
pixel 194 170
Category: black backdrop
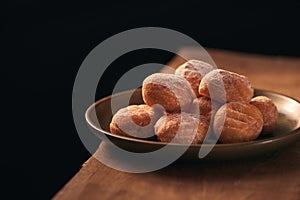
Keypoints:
pixel 43 44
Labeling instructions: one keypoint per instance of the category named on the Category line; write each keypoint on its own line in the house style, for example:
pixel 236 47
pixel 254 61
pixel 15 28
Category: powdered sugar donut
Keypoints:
pixel 226 86
pixel 170 91
pixel 268 110
pixel 238 122
pixel 183 128
pixel 135 121
pixel 193 71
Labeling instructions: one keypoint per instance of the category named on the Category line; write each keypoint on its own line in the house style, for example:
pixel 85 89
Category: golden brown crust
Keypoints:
pixel 181 127
pixel 135 121
pixel 238 122
pixel 168 90
pixel 193 71
pixel 226 86
pixel 268 110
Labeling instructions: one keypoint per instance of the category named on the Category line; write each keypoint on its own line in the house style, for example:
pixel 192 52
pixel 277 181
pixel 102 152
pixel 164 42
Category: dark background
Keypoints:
pixel 43 44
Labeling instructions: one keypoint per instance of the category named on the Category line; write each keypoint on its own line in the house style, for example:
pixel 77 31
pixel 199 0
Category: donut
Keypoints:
pixel 170 91
pixel 182 128
pixel 193 71
pixel 135 121
pixel 237 122
pixel 225 86
pixel 268 110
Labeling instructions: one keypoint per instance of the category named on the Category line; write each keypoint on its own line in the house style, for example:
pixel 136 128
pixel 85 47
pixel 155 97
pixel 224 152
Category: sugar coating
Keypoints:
pixel 175 83
pixel 171 91
pixel 194 65
pixel 268 110
pixel 193 71
pixel 135 121
pixel 238 122
pixel 183 128
pixel 225 86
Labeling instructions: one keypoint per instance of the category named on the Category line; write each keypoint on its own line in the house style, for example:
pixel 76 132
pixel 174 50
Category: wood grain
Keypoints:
pixel 274 177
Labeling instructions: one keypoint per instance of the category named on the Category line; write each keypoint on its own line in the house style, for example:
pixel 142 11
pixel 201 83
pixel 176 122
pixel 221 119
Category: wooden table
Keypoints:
pixel 273 177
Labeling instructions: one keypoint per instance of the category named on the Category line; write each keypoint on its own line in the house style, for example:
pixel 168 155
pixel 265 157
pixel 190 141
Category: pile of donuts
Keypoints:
pixel 195 102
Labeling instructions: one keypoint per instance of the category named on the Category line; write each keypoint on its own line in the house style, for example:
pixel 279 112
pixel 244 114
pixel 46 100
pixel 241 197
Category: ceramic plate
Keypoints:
pixel 287 130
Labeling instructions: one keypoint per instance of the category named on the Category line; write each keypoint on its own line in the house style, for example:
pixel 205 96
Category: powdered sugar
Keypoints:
pixel 175 83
